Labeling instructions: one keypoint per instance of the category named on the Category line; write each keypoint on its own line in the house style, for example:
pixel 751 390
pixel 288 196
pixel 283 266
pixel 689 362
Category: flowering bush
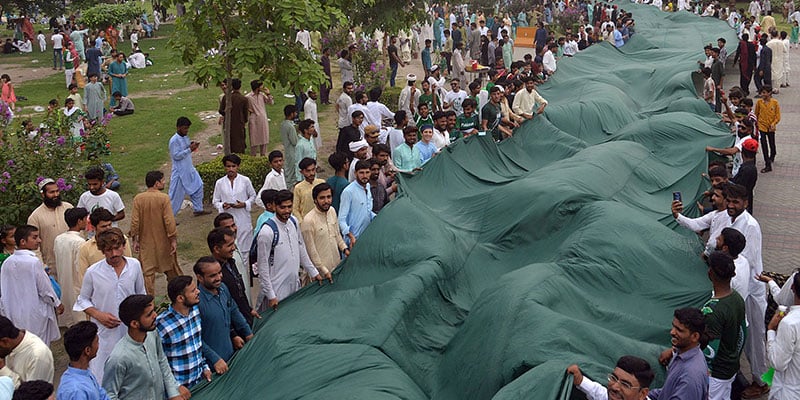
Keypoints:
pixel 369 68
pixel 28 156
pixel 6 115
pixel 569 18
pixel 338 39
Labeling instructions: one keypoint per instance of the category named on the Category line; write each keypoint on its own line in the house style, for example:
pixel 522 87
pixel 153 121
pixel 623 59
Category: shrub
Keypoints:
pixel 369 68
pixel 103 14
pixel 255 168
pixel 391 96
pixel 49 152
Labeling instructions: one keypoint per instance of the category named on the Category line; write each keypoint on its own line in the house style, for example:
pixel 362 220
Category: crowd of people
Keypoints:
pixel 73 267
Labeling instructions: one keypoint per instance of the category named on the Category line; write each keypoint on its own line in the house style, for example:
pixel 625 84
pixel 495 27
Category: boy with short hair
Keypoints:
pixel 709 89
pixel 275 178
pixel 339 181
pixel 466 124
pixel 768 113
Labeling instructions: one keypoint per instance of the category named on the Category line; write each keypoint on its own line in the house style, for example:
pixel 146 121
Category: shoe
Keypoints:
pixel 199 213
pixel 766 169
pixel 783 86
pixel 772 159
pixel 754 391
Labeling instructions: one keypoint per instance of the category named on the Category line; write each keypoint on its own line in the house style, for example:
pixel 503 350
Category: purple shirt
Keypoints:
pixel 687 378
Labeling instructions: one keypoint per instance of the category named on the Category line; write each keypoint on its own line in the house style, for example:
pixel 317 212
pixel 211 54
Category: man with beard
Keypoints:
pixel 356 204
pixel 222 244
pixel 105 283
pixel 630 380
pixel 98 196
pixel 756 301
pixel 687 375
pixel 179 329
pixel 138 367
pixel 714 221
pixel 224 329
pixel 321 234
pixel 380 194
pixel 281 251
pixel 49 218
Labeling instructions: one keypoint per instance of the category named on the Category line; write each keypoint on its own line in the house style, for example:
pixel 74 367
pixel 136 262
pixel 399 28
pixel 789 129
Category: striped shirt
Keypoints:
pixel 182 342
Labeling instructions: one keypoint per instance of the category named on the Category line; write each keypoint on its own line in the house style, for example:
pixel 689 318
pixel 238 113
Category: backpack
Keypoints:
pixel 253 254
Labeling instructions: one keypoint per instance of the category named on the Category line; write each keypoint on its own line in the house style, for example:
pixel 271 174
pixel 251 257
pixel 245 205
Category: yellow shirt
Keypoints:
pixel 768 114
pixel 323 239
pixel 303 199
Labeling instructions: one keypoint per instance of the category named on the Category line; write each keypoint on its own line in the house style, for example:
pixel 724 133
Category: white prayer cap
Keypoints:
pixel 356 146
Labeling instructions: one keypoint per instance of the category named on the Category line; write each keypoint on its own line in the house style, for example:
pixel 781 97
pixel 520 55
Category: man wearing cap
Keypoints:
pixel 437 82
pixel 409 96
pixel 359 149
pixel 49 218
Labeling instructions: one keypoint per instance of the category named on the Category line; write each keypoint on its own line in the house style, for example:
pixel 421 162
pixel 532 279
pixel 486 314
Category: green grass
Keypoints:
pixel 161 93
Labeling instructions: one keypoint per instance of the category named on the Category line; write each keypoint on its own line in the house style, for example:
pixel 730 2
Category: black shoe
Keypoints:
pixel 199 213
pixel 766 169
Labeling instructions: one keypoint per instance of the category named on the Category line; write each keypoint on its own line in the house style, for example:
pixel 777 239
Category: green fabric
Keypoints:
pixel 726 327
pixel 498 265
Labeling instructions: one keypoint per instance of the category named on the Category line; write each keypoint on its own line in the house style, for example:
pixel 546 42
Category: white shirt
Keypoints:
pixel 593 390
pixel 58 41
pixel 394 139
pixel 240 190
pixel 359 107
pixel 749 227
pixel 783 354
pixel 274 180
pixel 795 16
pixel 571 48
pixel 714 221
pixel 784 296
pixel 741 282
pixel 304 38
pixel 376 112
pixel 137 60
pixel 310 112
pixel 280 279
pixel 455 99
pixel 549 62
pixel 404 101
pixel 737 157
pixel 28 298
pixel 31 359
pixel 109 200
pixel 440 138
pixel 66 246
pixel 344 102
pixel 104 290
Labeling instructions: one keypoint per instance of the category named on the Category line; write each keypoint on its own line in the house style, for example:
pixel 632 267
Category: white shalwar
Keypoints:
pixel 104 290
pixel 241 189
pixel 28 298
pixel 782 352
pixel 281 279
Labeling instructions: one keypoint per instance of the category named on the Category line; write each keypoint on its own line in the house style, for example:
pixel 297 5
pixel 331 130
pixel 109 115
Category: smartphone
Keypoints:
pixel 676 196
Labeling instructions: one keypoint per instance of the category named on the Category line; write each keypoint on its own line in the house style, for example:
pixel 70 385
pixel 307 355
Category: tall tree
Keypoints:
pixel 221 39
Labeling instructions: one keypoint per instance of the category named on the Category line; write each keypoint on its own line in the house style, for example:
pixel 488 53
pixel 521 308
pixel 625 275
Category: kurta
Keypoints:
pixel 280 279
pixel 184 175
pixel 139 370
pixel 28 298
pixel 219 317
pixel 153 226
pixel 89 255
pixel 356 209
pixel 305 149
pixel 323 239
pixel 104 290
pixel 95 97
pixel 289 139
pixel 242 190
pixel 310 112
pixel 240 107
pixel 67 245
pixel 80 384
pixel 50 222
pixel 258 123
pixel 303 198
pixel 118 84
pixel 274 180
pixel 31 360
pixel 778 59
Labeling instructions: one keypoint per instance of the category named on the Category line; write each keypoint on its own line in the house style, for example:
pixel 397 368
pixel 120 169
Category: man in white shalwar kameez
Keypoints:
pixel 778 59
pixel 234 194
pixel 67 246
pixel 26 294
pixel 755 10
pixel 279 278
pixel 310 112
pixel 105 285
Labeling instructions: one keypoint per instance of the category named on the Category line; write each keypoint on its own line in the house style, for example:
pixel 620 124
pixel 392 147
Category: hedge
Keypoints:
pixel 255 168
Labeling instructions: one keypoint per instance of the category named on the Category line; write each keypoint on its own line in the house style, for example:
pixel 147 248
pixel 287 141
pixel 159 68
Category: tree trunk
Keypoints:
pixel 226 126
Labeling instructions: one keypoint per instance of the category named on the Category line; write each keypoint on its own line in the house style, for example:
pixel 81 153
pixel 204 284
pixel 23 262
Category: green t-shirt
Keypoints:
pixel 465 123
pixel 419 122
pixel 427 99
pixel 492 114
pixel 725 325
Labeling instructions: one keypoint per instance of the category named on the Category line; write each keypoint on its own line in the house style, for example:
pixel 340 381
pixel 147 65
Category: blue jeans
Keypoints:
pixel 58 60
pixel 393 66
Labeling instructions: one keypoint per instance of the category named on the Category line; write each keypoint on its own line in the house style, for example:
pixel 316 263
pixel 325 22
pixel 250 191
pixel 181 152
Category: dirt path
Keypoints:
pixel 20 73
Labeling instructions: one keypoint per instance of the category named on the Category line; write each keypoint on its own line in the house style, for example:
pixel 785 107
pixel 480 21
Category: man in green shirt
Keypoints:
pixel 138 367
pixel 491 114
pixel 305 144
pixel 289 139
pixel 725 325
pixel 467 123
pixel 427 97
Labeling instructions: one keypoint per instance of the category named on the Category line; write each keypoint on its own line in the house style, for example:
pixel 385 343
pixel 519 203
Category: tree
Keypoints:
pixel 222 39
pixel 28 7
pixel 103 15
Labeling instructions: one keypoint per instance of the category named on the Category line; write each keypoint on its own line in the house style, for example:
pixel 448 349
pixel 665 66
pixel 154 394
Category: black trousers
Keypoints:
pixel 768 147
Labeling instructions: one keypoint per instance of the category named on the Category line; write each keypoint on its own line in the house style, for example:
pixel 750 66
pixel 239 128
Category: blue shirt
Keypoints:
pixel 426 151
pixel 618 42
pixel 356 212
pixel 687 377
pixel 80 384
pixel 219 314
pixel 262 219
pixel 426 58
pixel 182 343
pixel 183 171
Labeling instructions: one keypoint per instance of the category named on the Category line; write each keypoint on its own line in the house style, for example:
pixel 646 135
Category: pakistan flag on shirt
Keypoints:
pixel 725 324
